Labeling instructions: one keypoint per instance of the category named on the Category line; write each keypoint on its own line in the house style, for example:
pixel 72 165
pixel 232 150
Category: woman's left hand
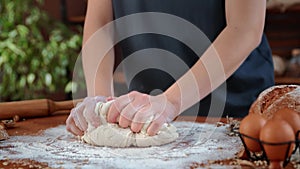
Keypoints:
pixel 135 109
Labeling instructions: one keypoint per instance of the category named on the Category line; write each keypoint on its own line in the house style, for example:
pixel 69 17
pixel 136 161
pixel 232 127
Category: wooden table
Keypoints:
pixel 37 125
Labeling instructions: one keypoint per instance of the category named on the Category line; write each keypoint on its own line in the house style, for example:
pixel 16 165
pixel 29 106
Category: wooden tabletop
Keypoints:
pixel 35 126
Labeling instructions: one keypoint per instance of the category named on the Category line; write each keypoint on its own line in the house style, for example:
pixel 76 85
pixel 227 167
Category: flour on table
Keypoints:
pixel 60 149
pixel 112 135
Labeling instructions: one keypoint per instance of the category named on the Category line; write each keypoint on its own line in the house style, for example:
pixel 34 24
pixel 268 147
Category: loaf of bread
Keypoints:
pixel 275 98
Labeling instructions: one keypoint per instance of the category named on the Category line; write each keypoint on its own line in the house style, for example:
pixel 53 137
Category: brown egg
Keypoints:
pixel 277 131
pixel 289 116
pixel 251 126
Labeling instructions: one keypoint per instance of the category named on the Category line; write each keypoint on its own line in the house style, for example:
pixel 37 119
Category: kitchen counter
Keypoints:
pixel 36 126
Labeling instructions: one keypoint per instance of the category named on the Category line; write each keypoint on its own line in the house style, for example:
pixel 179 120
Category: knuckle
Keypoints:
pixel 144 98
pixel 139 117
pixel 115 106
pixel 134 93
pixel 134 106
pixel 126 115
pixel 128 112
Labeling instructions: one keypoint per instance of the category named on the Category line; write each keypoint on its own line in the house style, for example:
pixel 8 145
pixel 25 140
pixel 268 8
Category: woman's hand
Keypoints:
pixel 83 113
pixel 135 109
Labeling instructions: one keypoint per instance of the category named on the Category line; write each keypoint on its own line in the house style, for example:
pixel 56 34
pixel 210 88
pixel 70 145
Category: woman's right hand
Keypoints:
pixel 82 114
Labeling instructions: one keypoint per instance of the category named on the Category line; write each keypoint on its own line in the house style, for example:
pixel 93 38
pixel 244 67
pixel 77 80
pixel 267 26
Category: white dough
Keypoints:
pixel 108 134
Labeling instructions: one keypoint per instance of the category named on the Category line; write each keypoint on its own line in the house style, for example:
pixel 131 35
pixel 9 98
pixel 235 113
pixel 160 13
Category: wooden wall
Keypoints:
pixel 73 8
pixel 283 30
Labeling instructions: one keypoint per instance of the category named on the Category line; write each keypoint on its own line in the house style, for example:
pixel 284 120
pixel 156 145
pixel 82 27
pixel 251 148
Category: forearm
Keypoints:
pixel 97 61
pixel 103 81
pixel 241 35
pixel 220 60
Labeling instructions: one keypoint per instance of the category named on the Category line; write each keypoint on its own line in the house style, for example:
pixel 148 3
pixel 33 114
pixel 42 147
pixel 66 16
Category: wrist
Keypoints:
pixel 100 98
pixel 174 99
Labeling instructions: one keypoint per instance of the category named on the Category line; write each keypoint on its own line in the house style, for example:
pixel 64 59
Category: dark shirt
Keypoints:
pixel 253 76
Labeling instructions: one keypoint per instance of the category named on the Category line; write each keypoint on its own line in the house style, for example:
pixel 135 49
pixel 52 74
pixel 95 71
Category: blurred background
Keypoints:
pixel 40 41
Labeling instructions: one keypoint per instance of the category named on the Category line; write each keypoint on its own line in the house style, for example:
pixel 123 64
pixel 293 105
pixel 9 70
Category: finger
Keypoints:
pixel 113 114
pixel 116 107
pixel 128 113
pixel 156 125
pixel 72 128
pixel 77 117
pixel 76 131
pixel 81 119
pixel 68 122
pixel 136 127
pixel 125 120
pixel 140 118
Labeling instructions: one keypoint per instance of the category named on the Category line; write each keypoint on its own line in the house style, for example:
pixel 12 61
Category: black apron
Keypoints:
pixel 253 76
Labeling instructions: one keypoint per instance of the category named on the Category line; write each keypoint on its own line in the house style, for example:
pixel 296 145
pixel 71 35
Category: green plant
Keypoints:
pixel 37 53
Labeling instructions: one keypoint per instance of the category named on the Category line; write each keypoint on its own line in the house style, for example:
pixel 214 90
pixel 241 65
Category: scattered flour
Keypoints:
pixel 61 150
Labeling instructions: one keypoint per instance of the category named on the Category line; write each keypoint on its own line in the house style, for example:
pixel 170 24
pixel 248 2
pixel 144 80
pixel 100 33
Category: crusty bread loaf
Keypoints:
pixel 275 98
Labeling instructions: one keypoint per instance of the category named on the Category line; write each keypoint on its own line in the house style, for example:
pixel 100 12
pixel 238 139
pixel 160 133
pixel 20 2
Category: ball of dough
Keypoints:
pixel 109 134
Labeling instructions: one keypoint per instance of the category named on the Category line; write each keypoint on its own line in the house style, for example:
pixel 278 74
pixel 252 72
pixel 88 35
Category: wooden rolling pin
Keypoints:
pixel 35 108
